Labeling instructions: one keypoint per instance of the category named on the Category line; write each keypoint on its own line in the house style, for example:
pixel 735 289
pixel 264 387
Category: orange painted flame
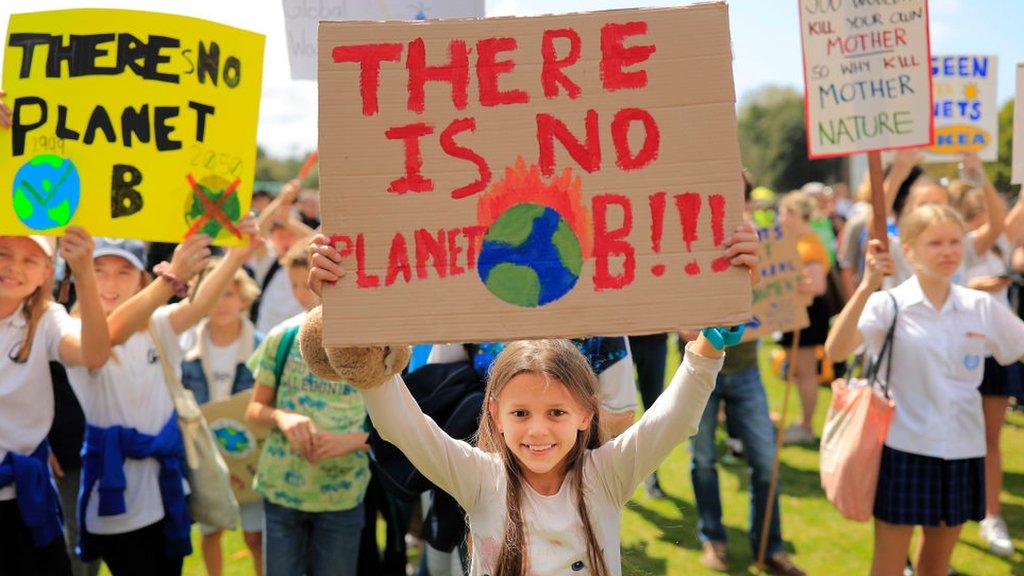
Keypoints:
pixel 525 185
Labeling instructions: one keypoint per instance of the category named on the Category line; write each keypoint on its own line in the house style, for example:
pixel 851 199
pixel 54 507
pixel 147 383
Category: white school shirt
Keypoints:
pixel 616 384
pixel 217 361
pixel 26 391
pixel 938 362
pixel 278 302
pixel 129 390
pixel 554 531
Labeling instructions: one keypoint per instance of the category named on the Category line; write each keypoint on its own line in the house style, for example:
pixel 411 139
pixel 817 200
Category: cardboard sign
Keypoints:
pixel 777 305
pixel 531 177
pixel 240 443
pixel 866 75
pixel 129 124
pixel 1017 175
pixel 966 110
pixel 302 16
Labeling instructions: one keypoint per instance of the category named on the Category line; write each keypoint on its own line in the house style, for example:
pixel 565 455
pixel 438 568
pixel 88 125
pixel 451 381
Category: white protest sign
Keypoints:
pixel 965 108
pixel 301 18
pixel 866 75
pixel 1017 176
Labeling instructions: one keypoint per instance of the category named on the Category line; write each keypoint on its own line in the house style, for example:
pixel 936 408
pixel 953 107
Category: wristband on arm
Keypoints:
pixel 178 286
pixel 722 337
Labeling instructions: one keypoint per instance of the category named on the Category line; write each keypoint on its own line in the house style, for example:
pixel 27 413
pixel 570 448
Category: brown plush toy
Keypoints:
pixel 360 366
pixel 311 338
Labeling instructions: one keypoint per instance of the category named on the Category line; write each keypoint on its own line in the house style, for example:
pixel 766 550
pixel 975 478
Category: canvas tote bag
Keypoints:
pixel 212 500
pixel 855 430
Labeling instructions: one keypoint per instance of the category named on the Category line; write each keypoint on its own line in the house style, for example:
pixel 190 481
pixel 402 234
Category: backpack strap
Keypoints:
pixel 254 314
pixel 284 348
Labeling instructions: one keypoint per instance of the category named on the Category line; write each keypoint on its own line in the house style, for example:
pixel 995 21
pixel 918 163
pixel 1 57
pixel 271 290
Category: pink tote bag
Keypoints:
pixel 855 430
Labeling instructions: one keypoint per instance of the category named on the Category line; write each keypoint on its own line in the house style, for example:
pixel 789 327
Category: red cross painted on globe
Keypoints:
pixel 213 210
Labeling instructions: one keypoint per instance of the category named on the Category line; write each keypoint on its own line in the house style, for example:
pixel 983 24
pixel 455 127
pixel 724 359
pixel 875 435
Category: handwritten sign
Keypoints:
pixel 239 442
pixel 777 305
pixel 526 177
pixel 866 75
pixel 302 16
pixel 131 124
pixel 965 109
pixel 1017 176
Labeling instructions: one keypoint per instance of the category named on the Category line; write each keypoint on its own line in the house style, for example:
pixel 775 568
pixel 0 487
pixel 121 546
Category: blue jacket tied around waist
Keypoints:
pixel 37 498
pixel 103 462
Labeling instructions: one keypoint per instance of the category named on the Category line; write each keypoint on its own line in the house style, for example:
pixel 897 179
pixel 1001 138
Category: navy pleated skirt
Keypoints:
pixel 926 491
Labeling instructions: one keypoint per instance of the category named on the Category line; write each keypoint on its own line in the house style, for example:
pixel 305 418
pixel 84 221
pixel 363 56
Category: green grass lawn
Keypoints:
pixel 659 537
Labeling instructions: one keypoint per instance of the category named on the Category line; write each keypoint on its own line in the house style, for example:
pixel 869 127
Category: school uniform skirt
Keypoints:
pixel 923 490
pixel 1001 380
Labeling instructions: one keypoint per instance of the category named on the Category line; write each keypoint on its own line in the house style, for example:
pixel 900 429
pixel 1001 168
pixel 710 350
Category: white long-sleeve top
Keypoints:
pixel 554 530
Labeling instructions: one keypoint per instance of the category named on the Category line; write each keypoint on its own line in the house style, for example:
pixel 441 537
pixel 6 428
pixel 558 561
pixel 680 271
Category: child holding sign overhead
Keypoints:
pixel 132 508
pixel 542 492
pixel 932 471
pixel 33 331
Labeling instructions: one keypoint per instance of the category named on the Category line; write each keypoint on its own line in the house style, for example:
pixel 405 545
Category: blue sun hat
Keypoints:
pixel 131 250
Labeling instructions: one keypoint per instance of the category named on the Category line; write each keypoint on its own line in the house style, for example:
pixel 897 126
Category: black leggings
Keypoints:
pixel 19 554
pixel 139 552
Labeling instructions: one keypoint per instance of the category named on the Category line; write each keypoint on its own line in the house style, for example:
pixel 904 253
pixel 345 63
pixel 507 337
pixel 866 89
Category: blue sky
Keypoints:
pixel 765 37
pixel 766 33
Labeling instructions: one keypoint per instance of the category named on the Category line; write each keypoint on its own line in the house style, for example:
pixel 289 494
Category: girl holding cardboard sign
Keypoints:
pixel 542 491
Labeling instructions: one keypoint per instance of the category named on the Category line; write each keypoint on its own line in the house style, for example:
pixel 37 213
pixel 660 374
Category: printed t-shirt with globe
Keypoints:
pixel 282 476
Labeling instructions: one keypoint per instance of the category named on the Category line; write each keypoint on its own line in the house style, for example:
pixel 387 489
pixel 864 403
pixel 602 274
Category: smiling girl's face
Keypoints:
pixel 539 419
pixel 24 267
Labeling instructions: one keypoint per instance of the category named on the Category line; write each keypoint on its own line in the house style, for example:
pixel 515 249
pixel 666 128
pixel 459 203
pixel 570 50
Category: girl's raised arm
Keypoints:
pixel 625 461
pixel 844 337
pixel 185 315
pixel 452 465
pixel 132 316
pixel 90 348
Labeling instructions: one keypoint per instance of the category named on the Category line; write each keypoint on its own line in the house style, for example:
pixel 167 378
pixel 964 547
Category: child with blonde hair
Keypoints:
pixel 932 472
pixel 34 330
pixel 214 369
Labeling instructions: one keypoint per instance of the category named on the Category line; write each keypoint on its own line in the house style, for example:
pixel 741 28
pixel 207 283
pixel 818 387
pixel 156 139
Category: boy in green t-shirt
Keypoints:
pixel 314 467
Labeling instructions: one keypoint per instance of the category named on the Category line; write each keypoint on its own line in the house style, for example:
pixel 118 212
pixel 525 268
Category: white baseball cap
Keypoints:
pixel 48 244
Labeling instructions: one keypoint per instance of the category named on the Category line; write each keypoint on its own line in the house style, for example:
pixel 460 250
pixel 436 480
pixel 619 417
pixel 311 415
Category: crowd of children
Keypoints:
pixel 92 467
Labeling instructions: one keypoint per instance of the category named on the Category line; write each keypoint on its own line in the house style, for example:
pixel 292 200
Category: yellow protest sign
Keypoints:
pixel 130 124
pixel 777 304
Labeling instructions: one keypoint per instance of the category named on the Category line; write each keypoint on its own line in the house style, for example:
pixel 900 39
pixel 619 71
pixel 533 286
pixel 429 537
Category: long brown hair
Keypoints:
pixel 561 361
pixel 35 306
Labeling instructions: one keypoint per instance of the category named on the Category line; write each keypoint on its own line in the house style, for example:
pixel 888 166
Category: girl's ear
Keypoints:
pixel 585 422
pixel 492 409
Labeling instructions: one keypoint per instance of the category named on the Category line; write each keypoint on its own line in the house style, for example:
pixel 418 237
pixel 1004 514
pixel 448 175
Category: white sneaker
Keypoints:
pixel 994 532
pixel 797 434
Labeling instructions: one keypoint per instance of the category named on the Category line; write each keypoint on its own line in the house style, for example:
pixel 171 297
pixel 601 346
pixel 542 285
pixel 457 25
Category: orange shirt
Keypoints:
pixel 811 249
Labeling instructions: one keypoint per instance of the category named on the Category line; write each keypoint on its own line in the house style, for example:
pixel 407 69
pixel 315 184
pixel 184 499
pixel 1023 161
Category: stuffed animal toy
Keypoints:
pixel 360 366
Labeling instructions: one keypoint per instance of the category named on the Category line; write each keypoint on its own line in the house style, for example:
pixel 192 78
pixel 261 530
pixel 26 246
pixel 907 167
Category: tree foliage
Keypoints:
pixel 773 141
pixel 274 169
pixel 999 171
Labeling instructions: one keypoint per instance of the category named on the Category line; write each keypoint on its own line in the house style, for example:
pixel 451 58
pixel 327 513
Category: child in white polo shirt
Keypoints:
pixel 932 472
pixel 34 330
